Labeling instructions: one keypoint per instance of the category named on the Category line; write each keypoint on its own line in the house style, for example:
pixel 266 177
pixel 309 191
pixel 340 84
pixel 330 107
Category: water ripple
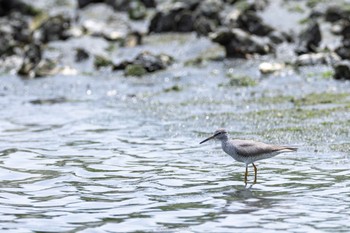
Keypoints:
pixel 120 164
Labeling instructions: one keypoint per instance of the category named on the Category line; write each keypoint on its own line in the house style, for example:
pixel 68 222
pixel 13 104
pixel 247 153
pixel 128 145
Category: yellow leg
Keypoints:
pixel 255 172
pixel 246 174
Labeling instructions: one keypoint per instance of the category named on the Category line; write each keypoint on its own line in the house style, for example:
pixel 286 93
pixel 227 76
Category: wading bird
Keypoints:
pixel 247 151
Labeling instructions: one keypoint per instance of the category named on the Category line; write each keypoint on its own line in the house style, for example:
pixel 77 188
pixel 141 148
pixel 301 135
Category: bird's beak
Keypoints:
pixel 211 137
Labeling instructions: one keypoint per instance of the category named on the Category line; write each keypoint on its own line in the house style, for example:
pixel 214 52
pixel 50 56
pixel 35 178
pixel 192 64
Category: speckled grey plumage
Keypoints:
pixel 247 151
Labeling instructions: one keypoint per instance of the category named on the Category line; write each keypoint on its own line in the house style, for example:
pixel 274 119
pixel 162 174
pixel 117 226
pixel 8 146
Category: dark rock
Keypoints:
pixel 32 57
pixel 54 28
pixel 168 20
pixel 231 1
pixel 346 42
pixel 207 16
pixel 51 101
pixel 200 16
pixel 203 25
pixel 20 28
pixel 34 66
pixel 14 33
pixel 147 61
pixel 316 13
pixel 152 62
pixel 336 13
pixel 184 22
pixel 345 32
pixel 7 43
pixel 342 70
pixel 309 39
pixel 210 9
pixel 149 3
pixel 344 50
pixel 81 55
pixel 125 5
pixel 84 3
pixel 238 43
pixel 249 5
pixel 9 6
pixel 257 5
pixel 278 37
pixel 161 23
pixel 190 4
pixel 252 23
pixel 119 5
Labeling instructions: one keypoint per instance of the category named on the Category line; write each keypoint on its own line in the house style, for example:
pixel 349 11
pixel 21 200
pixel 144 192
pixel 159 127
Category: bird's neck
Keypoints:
pixel 226 146
pixel 224 139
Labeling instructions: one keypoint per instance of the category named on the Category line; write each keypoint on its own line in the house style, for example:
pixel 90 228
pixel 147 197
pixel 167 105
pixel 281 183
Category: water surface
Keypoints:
pixel 104 153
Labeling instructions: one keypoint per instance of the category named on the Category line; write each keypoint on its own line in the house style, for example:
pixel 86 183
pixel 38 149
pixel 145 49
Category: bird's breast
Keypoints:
pixel 231 150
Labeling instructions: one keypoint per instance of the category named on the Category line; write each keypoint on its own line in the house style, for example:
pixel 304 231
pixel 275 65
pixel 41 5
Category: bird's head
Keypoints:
pixel 220 134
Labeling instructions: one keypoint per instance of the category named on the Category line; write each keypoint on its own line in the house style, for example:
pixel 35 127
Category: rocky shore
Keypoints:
pixel 28 31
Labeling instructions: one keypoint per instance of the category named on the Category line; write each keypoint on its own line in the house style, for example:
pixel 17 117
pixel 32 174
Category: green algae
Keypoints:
pixel 342 147
pixel 197 61
pixel 175 88
pixel 135 70
pixel 270 99
pixel 101 61
pixel 327 74
pixel 240 80
pixel 307 100
pixel 242 5
pixel 313 3
pixel 212 53
pixel 166 38
pixel 297 114
pixel 111 47
pixel 307 133
pixel 320 98
pixel 304 21
pixel 190 205
pixel 296 8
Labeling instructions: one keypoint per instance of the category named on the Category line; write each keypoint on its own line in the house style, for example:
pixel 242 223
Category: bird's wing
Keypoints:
pixel 253 148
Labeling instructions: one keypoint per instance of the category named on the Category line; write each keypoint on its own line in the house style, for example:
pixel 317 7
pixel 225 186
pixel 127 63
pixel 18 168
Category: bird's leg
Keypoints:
pixel 255 172
pixel 246 174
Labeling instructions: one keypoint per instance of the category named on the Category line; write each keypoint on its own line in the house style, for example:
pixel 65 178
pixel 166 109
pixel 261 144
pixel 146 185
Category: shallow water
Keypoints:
pixel 105 153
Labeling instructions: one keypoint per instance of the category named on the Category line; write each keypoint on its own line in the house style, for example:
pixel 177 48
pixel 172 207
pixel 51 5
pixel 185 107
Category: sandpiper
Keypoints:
pixel 247 151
